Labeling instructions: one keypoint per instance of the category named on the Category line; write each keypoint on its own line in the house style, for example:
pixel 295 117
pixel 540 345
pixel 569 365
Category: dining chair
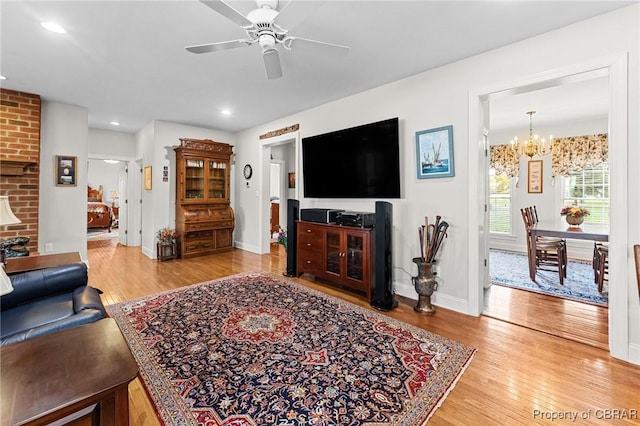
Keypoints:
pixel 534 212
pixel 550 254
pixel 601 265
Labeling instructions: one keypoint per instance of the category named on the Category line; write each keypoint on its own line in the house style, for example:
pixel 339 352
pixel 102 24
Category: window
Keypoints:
pixel 499 203
pixel 589 188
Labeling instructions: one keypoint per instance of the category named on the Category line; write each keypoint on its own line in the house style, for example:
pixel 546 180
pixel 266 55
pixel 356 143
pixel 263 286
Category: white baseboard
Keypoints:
pixel 247 247
pixel 438 299
pixel 150 253
pixel 634 353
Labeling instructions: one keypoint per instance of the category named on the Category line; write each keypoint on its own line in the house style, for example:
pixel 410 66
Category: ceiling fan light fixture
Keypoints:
pixel 267 42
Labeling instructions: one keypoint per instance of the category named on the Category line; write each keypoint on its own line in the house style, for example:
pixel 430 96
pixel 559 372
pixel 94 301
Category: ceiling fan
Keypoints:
pixel 261 28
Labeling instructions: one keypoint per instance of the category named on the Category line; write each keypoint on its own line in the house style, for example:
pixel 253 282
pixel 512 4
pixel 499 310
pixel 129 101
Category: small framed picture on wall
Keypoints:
pixel 534 177
pixel 147 178
pixel 66 170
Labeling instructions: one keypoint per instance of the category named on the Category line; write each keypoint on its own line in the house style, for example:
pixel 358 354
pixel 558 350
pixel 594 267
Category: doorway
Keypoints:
pixel 278 203
pixel 576 107
pixel 104 177
pixel 479 112
pixel 283 150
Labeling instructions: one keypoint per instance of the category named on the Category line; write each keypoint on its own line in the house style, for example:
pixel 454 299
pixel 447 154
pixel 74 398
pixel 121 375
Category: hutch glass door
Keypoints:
pixel 194 182
pixel 217 180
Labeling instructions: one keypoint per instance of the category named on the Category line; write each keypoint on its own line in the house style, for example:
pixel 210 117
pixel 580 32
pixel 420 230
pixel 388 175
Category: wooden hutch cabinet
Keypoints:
pixel 338 254
pixel 204 217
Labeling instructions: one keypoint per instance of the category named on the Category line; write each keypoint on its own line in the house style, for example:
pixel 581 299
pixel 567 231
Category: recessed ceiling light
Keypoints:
pixel 2 77
pixel 53 27
pixel 225 111
pixel 114 123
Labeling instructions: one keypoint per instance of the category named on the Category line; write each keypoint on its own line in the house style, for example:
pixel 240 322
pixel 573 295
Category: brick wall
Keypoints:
pixel 20 140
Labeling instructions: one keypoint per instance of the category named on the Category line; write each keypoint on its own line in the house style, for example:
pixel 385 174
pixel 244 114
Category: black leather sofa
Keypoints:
pixel 48 300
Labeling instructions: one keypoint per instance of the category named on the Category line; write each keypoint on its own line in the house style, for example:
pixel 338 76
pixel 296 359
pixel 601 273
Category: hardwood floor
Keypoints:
pixel 517 373
pixel 584 323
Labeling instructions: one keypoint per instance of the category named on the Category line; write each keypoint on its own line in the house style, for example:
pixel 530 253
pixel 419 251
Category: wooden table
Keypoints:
pixel 30 263
pixel 562 230
pixel 79 374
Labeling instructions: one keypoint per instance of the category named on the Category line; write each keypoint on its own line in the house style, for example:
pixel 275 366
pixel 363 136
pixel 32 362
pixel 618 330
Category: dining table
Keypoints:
pixel 553 228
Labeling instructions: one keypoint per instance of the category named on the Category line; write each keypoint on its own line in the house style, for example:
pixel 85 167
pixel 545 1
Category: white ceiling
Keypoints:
pixel 582 98
pixel 125 60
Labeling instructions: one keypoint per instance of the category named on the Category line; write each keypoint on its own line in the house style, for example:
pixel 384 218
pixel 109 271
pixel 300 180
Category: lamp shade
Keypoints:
pixel 6 215
pixel 5 282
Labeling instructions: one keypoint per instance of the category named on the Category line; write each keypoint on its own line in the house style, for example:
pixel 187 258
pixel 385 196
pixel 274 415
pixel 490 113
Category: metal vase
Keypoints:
pixel 425 284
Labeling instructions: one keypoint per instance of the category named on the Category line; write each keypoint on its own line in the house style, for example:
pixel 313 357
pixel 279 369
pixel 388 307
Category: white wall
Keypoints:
pixel 63 210
pixel 111 144
pixel 440 97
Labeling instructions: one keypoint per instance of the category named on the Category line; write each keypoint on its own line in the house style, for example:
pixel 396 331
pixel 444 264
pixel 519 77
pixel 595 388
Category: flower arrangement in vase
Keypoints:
pixel 166 244
pixel 166 236
pixel 281 237
pixel 574 215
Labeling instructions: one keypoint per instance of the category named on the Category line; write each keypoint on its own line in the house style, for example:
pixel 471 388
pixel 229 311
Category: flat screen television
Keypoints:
pixel 359 162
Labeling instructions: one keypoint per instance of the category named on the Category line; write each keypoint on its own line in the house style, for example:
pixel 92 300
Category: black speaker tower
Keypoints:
pixel 382 298
pixel 293 212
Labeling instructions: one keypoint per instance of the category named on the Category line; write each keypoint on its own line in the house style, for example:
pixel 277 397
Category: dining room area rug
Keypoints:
pixel 511 269
pixel 258 348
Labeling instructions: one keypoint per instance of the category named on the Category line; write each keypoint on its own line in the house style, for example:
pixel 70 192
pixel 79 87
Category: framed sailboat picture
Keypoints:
pixel 434 153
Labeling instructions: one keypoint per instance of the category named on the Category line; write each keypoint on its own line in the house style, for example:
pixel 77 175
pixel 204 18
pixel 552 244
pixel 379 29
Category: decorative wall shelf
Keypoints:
pixel 14 166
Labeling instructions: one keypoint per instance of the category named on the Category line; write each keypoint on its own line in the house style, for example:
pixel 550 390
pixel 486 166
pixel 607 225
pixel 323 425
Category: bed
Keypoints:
pixel 98 213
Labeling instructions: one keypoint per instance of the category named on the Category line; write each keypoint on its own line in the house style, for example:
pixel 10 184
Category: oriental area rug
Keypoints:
pixel 511 269
pixel 258 349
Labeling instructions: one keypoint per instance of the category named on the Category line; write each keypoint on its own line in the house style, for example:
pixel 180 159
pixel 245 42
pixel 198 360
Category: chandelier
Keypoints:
pixel 533 146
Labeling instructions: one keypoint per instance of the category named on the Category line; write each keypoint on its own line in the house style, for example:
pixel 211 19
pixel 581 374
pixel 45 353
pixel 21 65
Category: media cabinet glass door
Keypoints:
pixel 334 253
pixel 353 256
pixel 344 252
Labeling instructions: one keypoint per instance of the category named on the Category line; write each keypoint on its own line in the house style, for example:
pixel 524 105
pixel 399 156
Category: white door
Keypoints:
pixel 122 204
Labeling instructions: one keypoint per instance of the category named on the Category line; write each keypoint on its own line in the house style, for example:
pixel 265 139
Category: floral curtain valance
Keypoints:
pixel 570 154
pixel 504 159
pixel 575 153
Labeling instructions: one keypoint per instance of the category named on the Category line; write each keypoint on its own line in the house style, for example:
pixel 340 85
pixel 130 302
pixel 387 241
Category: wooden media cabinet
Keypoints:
pixel 340 254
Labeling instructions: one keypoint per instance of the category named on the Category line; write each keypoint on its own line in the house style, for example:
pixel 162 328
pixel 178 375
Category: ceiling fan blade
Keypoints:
pixel 223 45
pixel 272 63
pixel 284 6
pixel 228 12
pixel 337 48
